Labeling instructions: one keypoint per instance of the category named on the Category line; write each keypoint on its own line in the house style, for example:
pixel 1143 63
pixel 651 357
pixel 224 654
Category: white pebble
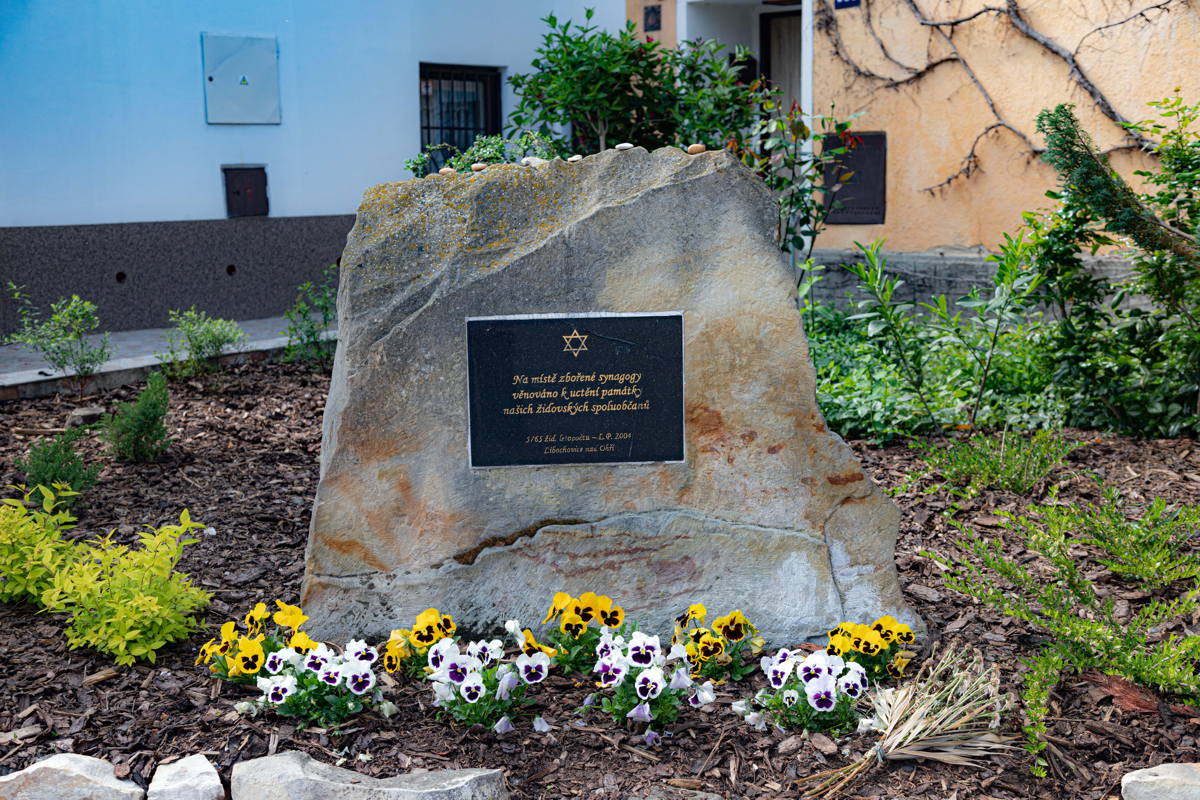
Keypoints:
pixel 574 158
pixel 624 146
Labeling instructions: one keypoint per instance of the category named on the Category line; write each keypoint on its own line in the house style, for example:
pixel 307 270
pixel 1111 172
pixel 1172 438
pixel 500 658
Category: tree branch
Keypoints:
pixel 1161 6
pixel 1013 13
pixel 1019 22
pixel 918 74
pixel 883 48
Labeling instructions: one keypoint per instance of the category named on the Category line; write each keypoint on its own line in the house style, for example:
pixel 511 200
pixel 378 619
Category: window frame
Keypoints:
pixel 489 76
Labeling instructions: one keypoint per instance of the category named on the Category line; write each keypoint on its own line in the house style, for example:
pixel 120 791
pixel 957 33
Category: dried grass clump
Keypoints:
pixel 949 712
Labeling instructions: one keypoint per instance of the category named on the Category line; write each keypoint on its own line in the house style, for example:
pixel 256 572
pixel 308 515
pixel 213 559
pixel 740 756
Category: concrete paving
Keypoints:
pixel 24 373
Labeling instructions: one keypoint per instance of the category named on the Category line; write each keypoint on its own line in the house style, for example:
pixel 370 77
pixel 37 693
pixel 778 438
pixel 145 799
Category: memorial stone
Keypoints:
pixel 584 376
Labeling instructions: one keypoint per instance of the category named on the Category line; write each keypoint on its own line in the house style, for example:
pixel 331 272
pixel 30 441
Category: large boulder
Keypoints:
pixel 770 512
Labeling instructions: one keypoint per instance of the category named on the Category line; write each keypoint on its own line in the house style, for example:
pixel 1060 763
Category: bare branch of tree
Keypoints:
pixel 970 162
pixel 918 74
pixel 1021 24
pixel 943 29
pixel 1162 6
pixel 950 23
pixel 883 48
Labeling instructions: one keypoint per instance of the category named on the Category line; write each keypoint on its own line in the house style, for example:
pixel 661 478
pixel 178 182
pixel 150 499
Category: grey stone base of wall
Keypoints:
pixel 245 268
pixel 950 271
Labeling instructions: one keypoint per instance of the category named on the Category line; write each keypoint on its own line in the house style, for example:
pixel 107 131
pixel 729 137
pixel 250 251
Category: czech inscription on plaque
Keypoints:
pixel 575 389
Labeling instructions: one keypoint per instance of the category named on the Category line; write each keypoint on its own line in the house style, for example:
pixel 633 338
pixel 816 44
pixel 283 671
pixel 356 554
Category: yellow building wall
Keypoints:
pixel 932 121
pixel 635 13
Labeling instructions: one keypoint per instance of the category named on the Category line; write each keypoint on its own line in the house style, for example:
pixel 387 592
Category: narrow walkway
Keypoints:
pixel 24 373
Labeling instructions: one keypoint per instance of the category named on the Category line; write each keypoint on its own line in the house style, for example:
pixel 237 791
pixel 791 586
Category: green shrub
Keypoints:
pixel 129 601
pixel 485 150
pixel 32 547
pixel 54 462
pixel 195 341
pixel 1007 461
pixel 60 338
pixel 1057 593
pixel 863 393
pixel 136 431
pixel 1152 384
pixel 306 342
pixel 611 88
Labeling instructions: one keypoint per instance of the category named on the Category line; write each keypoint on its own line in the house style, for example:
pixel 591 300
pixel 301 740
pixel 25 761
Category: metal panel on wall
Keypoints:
pixel 862 199
pixel 241 79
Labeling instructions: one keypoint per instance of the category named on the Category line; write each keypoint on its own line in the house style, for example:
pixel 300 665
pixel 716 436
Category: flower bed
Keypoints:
pixel 244 463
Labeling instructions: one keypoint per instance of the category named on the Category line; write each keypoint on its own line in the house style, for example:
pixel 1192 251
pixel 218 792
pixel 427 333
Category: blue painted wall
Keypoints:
pixel 104 99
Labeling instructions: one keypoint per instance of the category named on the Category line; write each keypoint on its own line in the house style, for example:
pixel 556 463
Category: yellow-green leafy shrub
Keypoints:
pixel 129 601
pixel 32 547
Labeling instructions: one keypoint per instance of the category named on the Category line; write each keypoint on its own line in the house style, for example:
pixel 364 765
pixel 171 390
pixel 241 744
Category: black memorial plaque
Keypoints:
pixel 577 389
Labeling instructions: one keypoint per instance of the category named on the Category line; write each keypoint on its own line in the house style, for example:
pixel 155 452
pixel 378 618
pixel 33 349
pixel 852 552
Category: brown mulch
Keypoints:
pixel 244 461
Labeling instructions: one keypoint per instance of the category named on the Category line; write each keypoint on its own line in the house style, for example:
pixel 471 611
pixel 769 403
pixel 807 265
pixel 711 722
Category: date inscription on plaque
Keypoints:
pixel 575 389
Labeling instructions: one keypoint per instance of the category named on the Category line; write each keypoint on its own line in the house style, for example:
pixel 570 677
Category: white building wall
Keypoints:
pixel 104 100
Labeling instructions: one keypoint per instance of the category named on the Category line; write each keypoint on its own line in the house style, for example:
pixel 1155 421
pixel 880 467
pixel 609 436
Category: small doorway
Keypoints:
pixel 781 42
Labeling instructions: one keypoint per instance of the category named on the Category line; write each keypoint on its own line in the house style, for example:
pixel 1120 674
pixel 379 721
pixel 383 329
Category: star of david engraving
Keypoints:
pixel 576 343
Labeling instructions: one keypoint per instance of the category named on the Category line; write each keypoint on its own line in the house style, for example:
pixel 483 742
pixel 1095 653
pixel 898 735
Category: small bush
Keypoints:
pixel 1007 461
pixel 195 341
pixel 54 462
pixel 1058 594
pixel 129 602
pixel 60 338
pixel 136 431
pixel 306 342
pixel 32 547
pixel 495 149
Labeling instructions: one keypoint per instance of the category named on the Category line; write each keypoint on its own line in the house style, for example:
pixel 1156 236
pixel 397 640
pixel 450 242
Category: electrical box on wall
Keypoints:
pixel 241 79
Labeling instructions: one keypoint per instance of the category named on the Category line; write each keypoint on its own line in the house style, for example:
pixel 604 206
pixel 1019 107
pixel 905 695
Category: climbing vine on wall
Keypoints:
pixel 942 30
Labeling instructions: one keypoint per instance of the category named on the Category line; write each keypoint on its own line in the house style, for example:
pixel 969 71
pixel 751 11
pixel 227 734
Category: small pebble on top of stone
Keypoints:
pixel 696 149
pixel 478 166
pixel 574 158
pixel 624 146
pixel 446 171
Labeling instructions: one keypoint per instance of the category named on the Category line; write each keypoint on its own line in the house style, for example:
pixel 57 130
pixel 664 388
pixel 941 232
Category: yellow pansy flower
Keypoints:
pixel 733 626
pixel 206 652
pixel 228 638
pixel 841 629
pixel 249 658
pixel 586 607
pixel 531 647
pixel 612 617
pixel 838 645
pixel 254 618
pixel 427 629
pixel 867 641
pixel 897 667
pixel 301 643
pixel 695 612
pixel 560 601
pixel 289 616
pixel 904 634
pixel 709 647
pixel 572 625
